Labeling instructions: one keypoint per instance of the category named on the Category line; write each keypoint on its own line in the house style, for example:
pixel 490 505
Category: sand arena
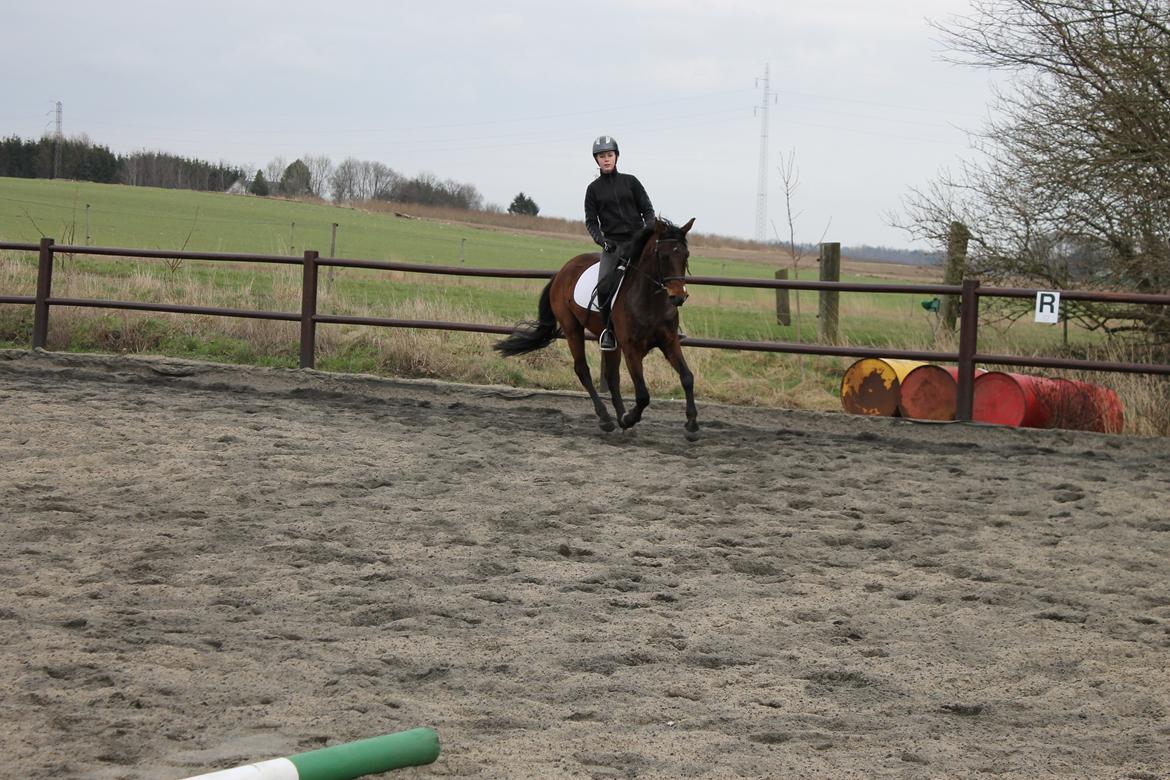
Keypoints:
pixel 208 565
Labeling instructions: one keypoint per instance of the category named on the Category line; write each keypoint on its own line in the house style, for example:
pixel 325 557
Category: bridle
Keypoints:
pixel 658 280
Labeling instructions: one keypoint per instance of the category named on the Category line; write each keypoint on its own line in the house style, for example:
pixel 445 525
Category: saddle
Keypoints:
pixel 585 292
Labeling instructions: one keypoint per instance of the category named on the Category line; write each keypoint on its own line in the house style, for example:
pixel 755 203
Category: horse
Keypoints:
pixel 644 315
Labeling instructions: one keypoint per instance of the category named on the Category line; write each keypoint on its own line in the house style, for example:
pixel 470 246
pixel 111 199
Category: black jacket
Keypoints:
pixel 616 207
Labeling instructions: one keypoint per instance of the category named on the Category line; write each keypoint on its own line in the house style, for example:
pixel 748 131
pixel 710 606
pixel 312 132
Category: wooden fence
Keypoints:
pixel 969 294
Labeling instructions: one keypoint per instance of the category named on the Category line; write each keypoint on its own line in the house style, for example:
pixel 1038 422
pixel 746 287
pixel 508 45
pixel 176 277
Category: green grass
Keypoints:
pixel 175 219
pixel 149 218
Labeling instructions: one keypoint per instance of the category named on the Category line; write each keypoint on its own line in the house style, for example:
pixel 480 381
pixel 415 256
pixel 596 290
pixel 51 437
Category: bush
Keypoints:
pixel 522 204
pixel 259 185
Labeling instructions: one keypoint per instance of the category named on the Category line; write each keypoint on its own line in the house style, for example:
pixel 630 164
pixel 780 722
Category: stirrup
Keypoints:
pixel 606 341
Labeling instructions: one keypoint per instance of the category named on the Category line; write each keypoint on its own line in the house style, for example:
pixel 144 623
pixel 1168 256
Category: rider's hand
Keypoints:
pixel 608 246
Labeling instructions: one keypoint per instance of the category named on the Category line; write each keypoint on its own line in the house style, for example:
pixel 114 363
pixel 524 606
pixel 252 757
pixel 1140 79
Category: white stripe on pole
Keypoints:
pixel 276 769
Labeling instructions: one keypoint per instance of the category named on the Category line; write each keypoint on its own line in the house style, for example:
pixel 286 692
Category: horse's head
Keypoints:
pixel 670 258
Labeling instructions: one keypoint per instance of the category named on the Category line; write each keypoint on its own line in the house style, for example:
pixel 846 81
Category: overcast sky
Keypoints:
pixel 508 96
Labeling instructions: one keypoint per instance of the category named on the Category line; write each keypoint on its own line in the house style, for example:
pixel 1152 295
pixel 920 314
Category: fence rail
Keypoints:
pixel 969 294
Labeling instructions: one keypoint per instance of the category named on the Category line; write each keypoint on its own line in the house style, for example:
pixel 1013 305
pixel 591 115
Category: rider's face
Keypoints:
pixel 606 161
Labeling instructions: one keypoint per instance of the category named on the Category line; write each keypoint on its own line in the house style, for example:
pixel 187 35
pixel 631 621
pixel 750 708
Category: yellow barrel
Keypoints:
pixel 870 385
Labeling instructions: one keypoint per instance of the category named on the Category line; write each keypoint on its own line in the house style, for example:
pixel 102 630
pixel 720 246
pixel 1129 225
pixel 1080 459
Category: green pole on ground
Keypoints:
pixel 368 756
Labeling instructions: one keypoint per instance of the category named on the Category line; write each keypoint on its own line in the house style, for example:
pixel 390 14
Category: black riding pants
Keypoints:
pixel 606 278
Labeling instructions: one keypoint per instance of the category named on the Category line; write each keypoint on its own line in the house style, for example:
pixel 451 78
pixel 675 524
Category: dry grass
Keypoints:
pixel 1146 400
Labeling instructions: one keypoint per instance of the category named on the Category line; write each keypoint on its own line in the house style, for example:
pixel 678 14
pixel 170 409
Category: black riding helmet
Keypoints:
pixel 605 143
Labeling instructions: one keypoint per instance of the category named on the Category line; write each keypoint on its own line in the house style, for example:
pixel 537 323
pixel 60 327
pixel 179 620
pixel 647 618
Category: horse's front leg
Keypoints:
pixel 581 366
pixel 610 364
pixel 641 392
pixel 674 355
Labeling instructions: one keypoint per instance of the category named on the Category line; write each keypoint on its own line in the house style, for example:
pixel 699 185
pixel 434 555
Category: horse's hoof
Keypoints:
pixel 607 425
pixel 691 435
pixel 626 422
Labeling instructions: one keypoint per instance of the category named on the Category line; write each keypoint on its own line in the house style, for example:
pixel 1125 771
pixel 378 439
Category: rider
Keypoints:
pixel 616 208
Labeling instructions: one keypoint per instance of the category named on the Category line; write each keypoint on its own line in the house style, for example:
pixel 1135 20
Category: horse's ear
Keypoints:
pixel 687 226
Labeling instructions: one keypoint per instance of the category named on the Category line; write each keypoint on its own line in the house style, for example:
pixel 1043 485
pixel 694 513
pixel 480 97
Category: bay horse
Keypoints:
pixel 644 316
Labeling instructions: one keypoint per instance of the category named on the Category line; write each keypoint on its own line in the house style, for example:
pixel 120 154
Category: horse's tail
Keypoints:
pixel 531 336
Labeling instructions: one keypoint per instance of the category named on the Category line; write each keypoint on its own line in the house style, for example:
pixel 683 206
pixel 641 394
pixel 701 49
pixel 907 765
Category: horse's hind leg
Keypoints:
pixel 674 356
pixel 576 341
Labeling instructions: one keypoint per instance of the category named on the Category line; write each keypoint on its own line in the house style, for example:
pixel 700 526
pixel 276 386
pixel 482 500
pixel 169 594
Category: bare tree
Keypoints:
pixel 275 169
pixel 320 171
pixel 343 182
pixel 790 179
pixel 1072 176
pixel 380 180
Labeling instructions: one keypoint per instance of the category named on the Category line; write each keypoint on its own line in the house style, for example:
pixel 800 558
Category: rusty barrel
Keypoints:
pixel 930 392
pixel 870 385
pixel 1017 400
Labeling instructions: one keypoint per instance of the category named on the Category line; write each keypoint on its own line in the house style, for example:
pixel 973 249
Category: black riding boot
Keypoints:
pixel 606 340
pixel 607 280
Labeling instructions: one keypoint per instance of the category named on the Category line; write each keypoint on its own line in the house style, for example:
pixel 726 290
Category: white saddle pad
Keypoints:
pixel 583 291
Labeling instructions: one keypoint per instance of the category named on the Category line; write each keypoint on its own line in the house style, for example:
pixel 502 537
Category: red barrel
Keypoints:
pixel 930 393
pixel 1066 402
pixel 1090 407
pixel 1043 402
pixel 1012 399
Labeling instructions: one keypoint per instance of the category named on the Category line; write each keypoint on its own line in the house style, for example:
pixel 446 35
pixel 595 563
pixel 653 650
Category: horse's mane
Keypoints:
pixel 671 232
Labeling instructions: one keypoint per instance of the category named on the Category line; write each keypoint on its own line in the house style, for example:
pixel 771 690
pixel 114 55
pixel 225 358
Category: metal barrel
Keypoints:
pixel 1017 400
pixel 1084 406
pixel 1046 402
pixel 930 392
pixel 870 385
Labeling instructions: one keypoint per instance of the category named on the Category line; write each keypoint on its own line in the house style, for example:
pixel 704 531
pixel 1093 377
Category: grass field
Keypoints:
pixel 176 219
pixel 173 219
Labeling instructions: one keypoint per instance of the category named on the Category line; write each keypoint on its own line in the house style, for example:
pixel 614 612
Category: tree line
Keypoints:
pixel 353 180
pixel 350 181
pixel 82 160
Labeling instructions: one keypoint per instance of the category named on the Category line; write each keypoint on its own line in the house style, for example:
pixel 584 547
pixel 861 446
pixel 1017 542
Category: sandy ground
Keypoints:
pixel 207 565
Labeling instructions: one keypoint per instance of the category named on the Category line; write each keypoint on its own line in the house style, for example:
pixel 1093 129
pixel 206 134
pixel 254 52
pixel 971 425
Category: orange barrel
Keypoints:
pixel 1092 408
pixel 930 392
pixel 870 385
pixel 1012 399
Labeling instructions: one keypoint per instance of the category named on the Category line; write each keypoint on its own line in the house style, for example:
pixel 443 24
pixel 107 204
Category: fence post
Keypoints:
pixel 956 268
pixel 309 309
pixel 968 342
pixel 44 290
pixel 828 307
pixel 783 311
pixel 332 254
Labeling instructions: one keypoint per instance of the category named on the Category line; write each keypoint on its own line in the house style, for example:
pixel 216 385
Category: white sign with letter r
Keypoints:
pixel 1047 306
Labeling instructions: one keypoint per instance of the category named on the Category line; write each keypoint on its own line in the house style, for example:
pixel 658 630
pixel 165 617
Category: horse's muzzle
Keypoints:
pixel 679 300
